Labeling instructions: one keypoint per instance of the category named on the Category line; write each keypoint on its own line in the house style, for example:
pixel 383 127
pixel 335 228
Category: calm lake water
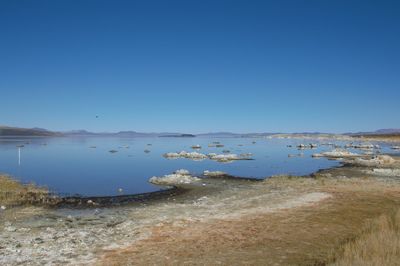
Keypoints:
pixel 71 165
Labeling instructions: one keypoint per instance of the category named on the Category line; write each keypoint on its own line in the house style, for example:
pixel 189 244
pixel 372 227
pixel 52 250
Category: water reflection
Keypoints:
pixel 19 155
pixel 74 166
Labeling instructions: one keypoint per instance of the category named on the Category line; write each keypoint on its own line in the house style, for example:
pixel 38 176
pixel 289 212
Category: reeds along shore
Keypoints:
pixel 13 193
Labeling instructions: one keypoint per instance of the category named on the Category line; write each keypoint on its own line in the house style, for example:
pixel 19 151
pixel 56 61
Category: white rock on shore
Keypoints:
pixel 181 176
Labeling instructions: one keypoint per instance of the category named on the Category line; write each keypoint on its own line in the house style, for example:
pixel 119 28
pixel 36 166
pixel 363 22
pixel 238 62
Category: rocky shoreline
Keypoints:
pixel 36 235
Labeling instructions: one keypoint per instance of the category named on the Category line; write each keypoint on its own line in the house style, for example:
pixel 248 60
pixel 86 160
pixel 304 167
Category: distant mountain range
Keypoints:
pixel 125 134
pixel 16 131
pixel 386 131
pixel 121 133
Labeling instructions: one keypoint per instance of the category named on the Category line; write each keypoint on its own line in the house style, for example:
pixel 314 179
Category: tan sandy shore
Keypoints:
pixel 310 227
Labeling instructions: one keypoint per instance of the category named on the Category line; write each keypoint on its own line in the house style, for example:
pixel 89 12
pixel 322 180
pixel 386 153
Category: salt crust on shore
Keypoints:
pixel 294 202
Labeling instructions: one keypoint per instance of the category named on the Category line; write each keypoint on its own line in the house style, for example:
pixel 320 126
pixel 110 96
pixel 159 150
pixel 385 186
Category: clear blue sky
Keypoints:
pixel 200 66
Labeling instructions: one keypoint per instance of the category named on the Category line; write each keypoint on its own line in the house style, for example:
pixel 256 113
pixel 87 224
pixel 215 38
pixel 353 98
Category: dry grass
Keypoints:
pixel 301 236
pixel 379 244
pixel 14 193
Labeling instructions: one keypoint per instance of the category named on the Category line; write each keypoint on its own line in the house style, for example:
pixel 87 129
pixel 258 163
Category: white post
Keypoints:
pixel 19 156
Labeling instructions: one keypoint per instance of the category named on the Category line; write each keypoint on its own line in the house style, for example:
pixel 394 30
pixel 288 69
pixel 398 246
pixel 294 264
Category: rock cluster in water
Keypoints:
pixel 336 153
pixel 212 156
pixel 307 146
pixel 365 146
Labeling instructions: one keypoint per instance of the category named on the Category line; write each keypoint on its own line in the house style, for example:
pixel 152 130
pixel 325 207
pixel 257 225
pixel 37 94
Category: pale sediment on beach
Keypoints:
pixel 288 203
